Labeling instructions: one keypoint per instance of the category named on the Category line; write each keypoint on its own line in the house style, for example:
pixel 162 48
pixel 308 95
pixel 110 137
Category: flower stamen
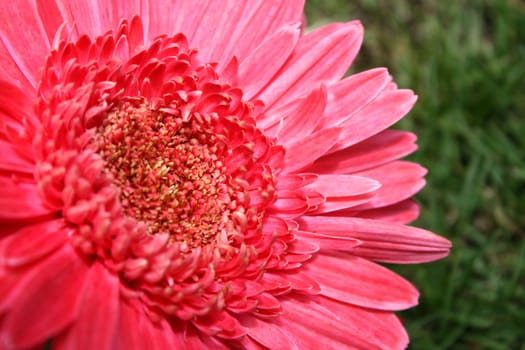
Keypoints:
pixel 169 177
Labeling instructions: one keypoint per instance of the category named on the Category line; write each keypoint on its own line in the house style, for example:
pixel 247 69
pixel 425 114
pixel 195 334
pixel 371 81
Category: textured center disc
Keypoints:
pixel 168 170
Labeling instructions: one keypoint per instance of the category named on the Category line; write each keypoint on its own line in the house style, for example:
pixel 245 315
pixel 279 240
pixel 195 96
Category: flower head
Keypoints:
pixel 196 174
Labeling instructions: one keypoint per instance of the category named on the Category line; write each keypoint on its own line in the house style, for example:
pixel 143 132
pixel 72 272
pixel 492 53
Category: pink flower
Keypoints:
pixel 195 174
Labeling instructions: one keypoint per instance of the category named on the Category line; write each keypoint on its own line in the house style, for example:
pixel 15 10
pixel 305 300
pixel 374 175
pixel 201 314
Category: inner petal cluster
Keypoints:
pixel 157 167
pixel 170 172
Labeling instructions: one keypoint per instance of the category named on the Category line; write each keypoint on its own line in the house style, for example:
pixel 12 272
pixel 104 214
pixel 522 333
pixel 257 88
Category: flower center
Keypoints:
pixel 169 171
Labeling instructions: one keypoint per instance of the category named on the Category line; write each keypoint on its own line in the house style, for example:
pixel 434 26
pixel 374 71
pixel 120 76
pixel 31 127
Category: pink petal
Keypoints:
pixel 211 31
pixel 220 324
pixel 400 180
pixel 25 38
pixel 321 56
pixel 382 241
pixel 16 109
pixel 13 160
pixel 267 333
pixel 32 242
pixel 20 201
pixel 400 213
pixel 330 241
pixel 193 339
pixel 96 324
pixel 314 327
pixel 129 319
pixel 147 334
pixel 350 95
pixel 304 152
pixel 263 62
pixel 380 328
pixel 260 20
pixel 343 185
pixel 380 149
pixel 302 121
pixel 50 16
pixel 385 110
pixel 357 281
pixel 341 204
pixel 95 18
pixel 48 302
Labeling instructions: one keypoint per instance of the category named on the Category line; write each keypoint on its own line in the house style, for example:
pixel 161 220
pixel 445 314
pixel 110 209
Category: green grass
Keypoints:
pixel 466 61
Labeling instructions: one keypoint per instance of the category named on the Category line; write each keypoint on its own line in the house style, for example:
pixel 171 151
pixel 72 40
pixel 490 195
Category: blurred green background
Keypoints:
pixel 466 61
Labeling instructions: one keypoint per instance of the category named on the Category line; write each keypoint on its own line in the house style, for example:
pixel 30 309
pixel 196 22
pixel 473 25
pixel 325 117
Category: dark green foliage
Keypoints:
pixel 466 61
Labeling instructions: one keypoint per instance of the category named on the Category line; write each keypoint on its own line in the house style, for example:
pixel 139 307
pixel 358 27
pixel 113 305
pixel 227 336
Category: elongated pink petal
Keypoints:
pixel 304 152
pixel 99 306
pixel 12 72
pixel 13 160
pixel 381 113
pixel 28 58
pixel 220 324
pixel 32 242
pixel 15 107
pixel 352 94
pixel 261 19
pixel 382 241
pixel 315 327
pixel 380 149
pixel 380 328
pixel 129 319
pixel 343 185
pixel 97 17
pixel 20 201
pixel 213 30
pixel 401 213
pixel 256 70
pixel 301 122
pixel 58 281
pixel 50 17
pixel 328 242
pixel 330 49
pixel 267 333
pixel 399 180
pixel 357 281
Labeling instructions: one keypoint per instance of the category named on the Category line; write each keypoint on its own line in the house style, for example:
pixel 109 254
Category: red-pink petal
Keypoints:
pixel 20 201
pixel 96 324
pixel 321 56
pixel 330 241
pixel 32 242
pixel 382 241
pixel 385 110
pixel 220 324
pixel 302 121
pixel 13 160
pixel 343 185
pixel 260 20
pixel 400 180
pixel 352 94
pixel 262 63
pixel 58 281
pixel 304 152
pixel 400 213
pixel 50 17
pixel 380 328
pixel 314 327
pixel 357 281
pixel 380 149
pixel 24 39
pixel 267 332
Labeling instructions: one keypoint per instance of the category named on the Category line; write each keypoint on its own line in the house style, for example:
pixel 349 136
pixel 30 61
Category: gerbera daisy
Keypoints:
pixel 198 174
